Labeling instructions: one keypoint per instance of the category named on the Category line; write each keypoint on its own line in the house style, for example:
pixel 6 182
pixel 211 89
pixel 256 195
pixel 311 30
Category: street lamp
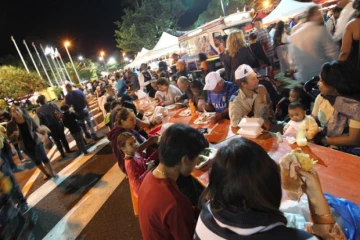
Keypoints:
pixel 67 44
pixel 102 58
pixel 266 4
pixel 111 61
pixel 80 58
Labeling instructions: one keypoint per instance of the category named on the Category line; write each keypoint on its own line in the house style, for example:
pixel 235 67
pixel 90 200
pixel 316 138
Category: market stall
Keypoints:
pixel 287 9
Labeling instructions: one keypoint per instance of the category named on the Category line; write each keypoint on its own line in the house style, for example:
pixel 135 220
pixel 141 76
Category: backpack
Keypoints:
pixel 58 115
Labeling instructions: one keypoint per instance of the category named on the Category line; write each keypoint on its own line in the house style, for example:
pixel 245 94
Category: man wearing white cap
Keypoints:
pixel 219 93
pixel 251 100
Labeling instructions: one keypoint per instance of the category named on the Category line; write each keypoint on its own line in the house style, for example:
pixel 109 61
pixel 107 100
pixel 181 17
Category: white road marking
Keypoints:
pixel 50 185
pixel 71 225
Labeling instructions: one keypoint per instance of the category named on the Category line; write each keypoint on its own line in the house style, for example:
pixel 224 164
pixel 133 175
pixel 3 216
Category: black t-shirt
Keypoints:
pixel 26 136
pixel 70 121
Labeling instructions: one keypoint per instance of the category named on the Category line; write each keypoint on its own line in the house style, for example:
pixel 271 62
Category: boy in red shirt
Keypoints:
pixel 164 212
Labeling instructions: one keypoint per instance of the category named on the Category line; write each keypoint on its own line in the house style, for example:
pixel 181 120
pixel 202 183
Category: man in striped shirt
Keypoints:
pixel 264 38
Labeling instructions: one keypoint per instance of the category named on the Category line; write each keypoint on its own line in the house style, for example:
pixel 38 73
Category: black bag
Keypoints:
pixel 58 115
pixel 147 76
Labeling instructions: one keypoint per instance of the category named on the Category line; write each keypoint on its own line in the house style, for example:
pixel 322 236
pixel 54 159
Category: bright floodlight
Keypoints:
pixel 124 53
pixel 126 59
pixel 111 61
pixel 47 51
pixel 101 58
pixel 67 43
pixel 102 53
pixel 81 58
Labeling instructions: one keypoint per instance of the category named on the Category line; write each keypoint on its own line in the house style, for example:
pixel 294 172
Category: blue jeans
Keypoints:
pixel 79 139
pixel 84 116
pixel 37 154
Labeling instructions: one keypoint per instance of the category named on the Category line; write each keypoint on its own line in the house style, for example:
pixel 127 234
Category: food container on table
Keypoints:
pixel 204 118
pixel 249 133
pixel 251 123
pixel 205 156
pixel 185 113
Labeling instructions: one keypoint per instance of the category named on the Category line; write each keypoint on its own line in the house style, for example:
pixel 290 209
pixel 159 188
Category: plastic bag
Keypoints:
pixel 141 94
pixel 350 214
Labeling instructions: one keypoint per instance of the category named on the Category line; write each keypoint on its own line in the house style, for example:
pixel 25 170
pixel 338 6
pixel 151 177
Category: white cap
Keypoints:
pixel 243 71
pixel 211 80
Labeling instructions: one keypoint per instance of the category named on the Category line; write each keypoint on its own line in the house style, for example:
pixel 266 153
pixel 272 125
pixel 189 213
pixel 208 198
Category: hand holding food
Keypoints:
pixel 304 160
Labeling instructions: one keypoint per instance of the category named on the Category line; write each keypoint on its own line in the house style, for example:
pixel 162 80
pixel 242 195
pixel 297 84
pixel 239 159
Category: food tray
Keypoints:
pixel 204 119
pixel 203 159
pixel 185 113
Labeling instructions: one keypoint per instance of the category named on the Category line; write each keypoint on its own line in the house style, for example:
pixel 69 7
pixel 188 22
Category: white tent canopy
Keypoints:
pixel 167 44
pixel 166 40
pixel 286 9
pixel 143 52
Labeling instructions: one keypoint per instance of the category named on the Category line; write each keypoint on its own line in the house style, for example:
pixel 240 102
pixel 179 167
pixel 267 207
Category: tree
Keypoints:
pixel 16 82
pixel 143 27
pixel 83 71
pixel 214 10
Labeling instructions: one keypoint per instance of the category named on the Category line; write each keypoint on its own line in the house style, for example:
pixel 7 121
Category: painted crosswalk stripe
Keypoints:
pixel 71 225
pixel 47 187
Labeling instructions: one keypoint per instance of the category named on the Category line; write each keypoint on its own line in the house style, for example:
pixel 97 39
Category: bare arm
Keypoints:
pixel 346 43
pixel 353 139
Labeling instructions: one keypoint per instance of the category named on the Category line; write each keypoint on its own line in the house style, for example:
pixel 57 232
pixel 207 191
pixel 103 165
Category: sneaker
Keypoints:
pixel 96 138
pixel 86 152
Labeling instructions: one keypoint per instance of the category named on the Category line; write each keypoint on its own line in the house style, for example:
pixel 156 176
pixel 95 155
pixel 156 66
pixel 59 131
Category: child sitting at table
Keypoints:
pixel 135 164
pixel 167 92
pixel 297 114
pixel 296 94
pixel 199 95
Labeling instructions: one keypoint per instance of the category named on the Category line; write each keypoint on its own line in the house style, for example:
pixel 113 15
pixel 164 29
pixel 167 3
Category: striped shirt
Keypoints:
pixel 264 38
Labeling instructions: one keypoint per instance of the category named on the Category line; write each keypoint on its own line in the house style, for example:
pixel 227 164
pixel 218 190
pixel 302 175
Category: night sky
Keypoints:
pixel 88 24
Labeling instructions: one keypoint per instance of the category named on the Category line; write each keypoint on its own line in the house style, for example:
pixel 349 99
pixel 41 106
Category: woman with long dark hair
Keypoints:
pixel 126 122
pixel 25 130
pixel 243 198
pixel 337 107
pixel 350 49
pixel 280 44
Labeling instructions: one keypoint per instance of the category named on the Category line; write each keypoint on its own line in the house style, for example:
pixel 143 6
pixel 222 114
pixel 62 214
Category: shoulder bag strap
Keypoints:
pixel 251 52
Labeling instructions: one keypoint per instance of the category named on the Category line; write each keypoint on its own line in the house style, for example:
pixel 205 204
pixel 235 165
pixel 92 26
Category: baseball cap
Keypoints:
pixel 243 71
pixel 211 80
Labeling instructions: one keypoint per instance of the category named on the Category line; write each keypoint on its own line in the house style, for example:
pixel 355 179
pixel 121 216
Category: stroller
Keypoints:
pixel 16 220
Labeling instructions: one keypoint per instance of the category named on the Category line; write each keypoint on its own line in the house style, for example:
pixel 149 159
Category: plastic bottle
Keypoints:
pixel 301 140
pixel 192 108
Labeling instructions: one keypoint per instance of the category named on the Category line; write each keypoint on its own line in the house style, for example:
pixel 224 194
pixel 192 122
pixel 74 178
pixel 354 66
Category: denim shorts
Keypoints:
pixel 37 154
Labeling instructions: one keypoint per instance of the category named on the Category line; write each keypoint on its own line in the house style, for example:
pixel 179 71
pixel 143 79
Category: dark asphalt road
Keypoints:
pixel 114 218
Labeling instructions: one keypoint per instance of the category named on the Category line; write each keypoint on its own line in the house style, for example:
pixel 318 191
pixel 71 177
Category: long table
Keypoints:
pixel 339 172
pixel 216 132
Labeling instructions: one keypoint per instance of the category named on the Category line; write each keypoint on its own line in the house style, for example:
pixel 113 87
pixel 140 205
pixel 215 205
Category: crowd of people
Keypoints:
pixel 245 87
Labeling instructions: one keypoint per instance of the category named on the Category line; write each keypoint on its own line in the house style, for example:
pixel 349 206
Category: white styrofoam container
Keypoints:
pixel 249 133
pixel 252 123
